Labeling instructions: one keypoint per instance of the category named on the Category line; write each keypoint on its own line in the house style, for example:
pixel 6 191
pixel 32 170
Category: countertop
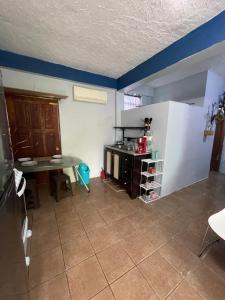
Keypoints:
pixel 125 151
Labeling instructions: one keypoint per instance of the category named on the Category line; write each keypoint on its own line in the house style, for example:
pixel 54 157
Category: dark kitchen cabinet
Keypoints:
pixel 128 166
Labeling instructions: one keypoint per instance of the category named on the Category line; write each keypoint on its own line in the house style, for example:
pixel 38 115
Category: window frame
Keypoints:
pixel 127 106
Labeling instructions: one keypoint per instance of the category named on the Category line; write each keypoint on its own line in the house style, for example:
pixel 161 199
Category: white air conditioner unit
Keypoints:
pixel 89 95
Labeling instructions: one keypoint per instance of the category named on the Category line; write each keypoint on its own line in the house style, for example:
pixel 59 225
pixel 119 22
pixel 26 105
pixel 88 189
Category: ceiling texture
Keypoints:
pixel 107 37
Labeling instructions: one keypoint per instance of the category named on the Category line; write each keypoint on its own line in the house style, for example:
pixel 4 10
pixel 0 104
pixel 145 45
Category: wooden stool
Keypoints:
pixel 31 194
pixel 61 186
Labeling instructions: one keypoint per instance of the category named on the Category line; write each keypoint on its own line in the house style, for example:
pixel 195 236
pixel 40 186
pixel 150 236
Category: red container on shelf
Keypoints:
pixel 142 145
pixel 152 170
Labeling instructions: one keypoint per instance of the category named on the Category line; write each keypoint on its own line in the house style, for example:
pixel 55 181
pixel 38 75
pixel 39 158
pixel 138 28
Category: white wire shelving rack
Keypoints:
pixel 151 181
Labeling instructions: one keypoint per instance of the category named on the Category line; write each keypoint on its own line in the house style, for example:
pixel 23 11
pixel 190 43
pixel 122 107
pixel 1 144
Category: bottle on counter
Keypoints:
pixel 149 138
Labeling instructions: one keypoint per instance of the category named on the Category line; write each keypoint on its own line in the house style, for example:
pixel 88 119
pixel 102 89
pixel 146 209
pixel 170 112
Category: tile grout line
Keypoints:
pixel 112 292
pixel 184 276
pixel 100 267
pixel 67 280
pixel 184 280
pixel 45 281
pixel 149 284
pixel 137 266
pixel 176 287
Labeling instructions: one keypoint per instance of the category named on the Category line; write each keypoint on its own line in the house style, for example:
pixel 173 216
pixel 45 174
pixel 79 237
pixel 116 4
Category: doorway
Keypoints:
pixel 34 125
pixel 217 146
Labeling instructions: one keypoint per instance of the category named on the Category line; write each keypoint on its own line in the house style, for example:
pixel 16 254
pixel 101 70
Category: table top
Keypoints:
pixel 44 164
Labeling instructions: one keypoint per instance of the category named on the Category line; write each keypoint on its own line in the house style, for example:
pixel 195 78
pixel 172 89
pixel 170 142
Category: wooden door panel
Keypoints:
pixel 11 112
pixel 52 143
pixel 21 143
pixel 37 115
pixel 51 116
pixel 38 144
pixel 18 113
pixel 22 117
pixel 23 151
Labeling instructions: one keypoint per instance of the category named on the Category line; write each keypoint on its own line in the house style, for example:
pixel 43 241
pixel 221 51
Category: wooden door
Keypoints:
pixel 19 122
pixel 45 128
pixel 34 127
pixel 217 146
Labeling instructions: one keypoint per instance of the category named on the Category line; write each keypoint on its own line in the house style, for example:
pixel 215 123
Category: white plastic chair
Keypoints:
pixel 217 223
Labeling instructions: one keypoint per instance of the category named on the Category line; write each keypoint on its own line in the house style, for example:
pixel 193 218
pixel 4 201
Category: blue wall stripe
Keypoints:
pixel 29 64
pixel 206 35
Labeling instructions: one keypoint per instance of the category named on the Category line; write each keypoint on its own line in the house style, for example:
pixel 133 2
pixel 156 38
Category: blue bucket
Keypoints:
pixel 85 173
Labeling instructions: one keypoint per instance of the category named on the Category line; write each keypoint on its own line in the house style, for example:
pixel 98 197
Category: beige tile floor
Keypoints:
pixel 105 246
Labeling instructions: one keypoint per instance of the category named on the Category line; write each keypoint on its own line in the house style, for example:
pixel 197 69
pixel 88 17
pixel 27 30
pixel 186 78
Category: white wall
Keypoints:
pixel 85 127
pixel 187 155
pixel 178 130
pixel 215 86
pixel 143 89
pixel 146 100
pixel 159 113
pixel 119 107
pixel 178 136
pixel 188 88
pixel 146 91
pixel 189 158
pixel 195 101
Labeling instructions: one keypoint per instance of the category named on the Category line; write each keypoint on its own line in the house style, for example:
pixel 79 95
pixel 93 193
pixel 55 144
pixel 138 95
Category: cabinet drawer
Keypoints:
pixel 126 173
pixel 126 183
pixel 127 161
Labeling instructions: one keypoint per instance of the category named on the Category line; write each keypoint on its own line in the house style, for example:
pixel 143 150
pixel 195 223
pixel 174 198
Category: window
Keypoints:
pixel 131 101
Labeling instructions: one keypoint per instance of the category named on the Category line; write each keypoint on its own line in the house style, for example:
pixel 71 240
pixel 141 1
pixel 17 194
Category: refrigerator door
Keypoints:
pixel 13 271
